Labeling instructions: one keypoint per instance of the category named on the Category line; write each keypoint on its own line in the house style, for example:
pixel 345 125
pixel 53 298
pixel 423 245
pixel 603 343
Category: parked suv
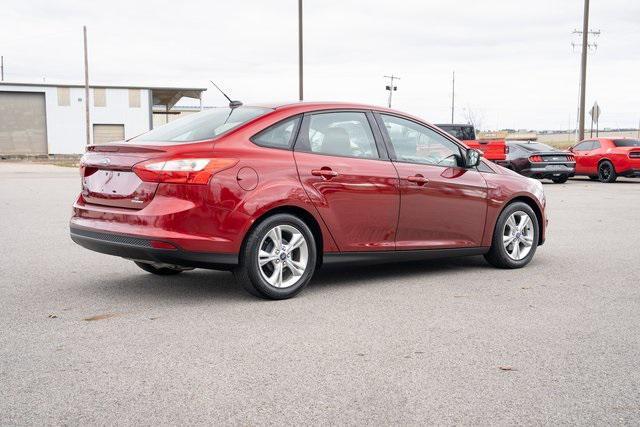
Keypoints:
pixel 272 193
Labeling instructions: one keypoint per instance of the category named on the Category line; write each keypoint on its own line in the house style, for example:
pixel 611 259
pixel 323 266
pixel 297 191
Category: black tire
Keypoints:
pixel 162 271
pixel 606 172
pixel 249 272
pixel 560 179
pixel 497 255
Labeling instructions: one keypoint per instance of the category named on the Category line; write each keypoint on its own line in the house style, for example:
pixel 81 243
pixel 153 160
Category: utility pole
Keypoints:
pixel 453 95
pixel 1 68
pixel 583 69
pixel 391 87
pixel 300 62
pixel 86 86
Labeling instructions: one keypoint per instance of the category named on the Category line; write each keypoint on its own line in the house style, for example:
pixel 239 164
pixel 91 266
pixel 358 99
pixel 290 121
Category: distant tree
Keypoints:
pixel 473 117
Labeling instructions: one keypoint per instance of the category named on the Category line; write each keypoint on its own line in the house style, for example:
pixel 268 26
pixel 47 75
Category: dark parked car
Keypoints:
pixel 537 160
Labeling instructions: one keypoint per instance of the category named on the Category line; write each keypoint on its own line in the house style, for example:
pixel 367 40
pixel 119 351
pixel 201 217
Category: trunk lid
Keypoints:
pixel 108 178
pixel 554 156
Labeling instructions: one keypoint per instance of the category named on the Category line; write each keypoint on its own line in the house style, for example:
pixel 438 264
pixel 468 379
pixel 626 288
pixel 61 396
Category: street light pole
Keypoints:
pixel 453 95
pixel 391 87
pixel 300 58
pixel 583 69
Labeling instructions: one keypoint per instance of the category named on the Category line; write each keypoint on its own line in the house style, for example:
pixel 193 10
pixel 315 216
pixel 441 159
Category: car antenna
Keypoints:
pixel 232 104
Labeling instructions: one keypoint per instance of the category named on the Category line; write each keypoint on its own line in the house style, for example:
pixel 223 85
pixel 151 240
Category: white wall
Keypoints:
pixel 66 132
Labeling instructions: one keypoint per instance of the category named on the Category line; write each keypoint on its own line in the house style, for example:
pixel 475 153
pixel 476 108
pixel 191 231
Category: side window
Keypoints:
pixel 346 134
pixel 415 143
pixel 279 135
pixel 595 145
pixel 584 146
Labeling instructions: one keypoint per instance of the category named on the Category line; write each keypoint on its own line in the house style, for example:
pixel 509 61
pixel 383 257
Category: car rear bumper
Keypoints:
pixel 549 171
pixel 146 249
pixel 631 173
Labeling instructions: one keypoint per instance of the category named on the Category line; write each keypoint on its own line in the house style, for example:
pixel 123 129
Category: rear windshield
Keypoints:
pixel 463 133
pixel 626 142
pixel 536 147
pixel 203 125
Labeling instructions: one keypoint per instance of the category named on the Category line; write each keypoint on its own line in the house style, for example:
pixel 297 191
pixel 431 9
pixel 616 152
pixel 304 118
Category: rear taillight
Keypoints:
pixel 570 158
pixel 535 159
pixel 634 155
pixel 181 171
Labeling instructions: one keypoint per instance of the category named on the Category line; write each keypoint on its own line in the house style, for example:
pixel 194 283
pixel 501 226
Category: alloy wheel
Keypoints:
pixel 518 235
pixel 283 256
pixel 605 171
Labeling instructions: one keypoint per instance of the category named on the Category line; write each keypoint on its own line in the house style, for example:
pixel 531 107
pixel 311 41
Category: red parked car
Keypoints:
pixel 605 159
pixel 274 192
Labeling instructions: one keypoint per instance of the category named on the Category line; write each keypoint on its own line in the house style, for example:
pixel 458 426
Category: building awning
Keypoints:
pixel 169 97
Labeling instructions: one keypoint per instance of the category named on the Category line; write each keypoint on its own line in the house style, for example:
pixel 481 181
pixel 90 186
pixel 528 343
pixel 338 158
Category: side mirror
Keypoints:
pixel 472 158
pixel 571 149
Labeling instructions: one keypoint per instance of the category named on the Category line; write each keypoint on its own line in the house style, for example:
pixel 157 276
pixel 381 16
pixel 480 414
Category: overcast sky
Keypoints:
pixel 515 66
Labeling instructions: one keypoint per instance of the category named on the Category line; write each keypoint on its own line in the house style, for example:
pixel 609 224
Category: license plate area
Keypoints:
pixel 117 188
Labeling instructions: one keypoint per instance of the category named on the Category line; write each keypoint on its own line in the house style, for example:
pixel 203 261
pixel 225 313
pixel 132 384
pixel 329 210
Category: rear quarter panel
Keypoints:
pixel 277 185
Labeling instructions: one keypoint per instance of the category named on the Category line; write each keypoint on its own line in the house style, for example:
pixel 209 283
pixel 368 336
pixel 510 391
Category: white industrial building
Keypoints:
pixel 44 119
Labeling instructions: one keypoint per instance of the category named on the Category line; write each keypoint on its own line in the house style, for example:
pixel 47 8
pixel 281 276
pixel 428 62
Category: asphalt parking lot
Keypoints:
pixel 92 339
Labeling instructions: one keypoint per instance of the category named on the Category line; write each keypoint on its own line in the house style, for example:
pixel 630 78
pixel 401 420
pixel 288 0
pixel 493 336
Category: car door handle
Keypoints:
pixel 418 179
pixel 324 172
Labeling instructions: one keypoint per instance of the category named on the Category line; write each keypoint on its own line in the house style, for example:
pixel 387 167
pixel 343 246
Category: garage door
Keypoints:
pixel 23 128
pixel 107 133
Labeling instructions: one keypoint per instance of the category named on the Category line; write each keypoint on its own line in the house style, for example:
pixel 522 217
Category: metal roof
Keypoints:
pixel 44 84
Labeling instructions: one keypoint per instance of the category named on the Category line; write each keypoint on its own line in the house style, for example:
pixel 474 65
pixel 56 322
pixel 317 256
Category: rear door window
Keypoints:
pixel 345 134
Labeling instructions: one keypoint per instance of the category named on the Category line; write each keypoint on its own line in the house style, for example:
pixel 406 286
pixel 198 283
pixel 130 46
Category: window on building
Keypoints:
pixel 63 97
pixel 100 97
pixel 134 98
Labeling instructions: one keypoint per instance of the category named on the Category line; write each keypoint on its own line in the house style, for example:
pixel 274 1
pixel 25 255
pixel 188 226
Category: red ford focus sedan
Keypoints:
pixel 605 159
pixel 274 192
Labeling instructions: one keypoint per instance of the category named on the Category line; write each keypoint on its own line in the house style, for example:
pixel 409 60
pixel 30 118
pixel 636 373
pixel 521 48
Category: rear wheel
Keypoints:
pixel 278 258
pixel 606 172
pixel 515 237
pixel 160 271
pixel 560 179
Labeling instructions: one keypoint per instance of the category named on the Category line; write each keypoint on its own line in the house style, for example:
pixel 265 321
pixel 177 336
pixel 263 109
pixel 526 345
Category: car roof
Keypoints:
pixel 320 105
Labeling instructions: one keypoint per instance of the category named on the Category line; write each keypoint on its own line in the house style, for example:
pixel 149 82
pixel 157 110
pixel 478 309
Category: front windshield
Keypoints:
pixel 203 125
pixel 627 142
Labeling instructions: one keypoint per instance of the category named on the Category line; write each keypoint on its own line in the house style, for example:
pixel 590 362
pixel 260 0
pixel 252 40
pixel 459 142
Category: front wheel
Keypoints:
pixel 560 179
pixel 606 172
pixel 515 237
pixel 278 258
